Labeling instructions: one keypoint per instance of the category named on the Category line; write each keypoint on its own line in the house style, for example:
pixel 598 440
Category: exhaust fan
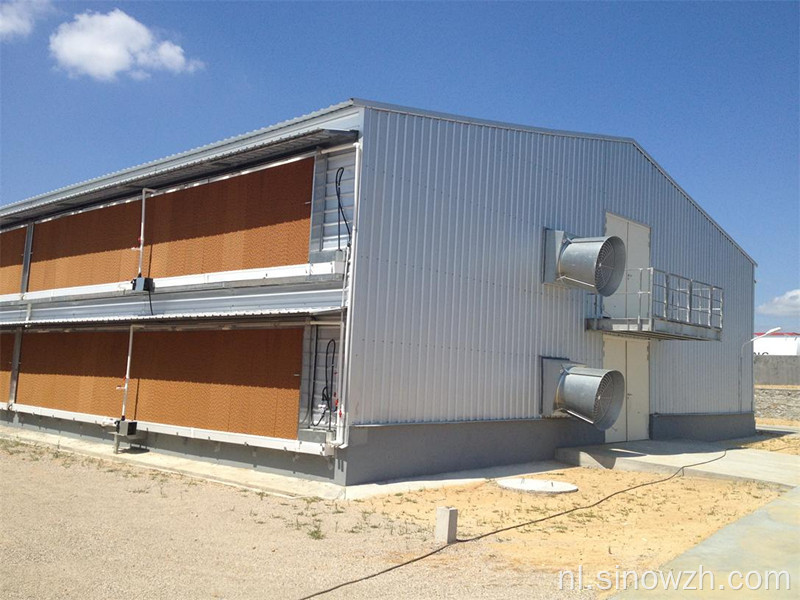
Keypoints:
pixel 594 264
pixel 592 395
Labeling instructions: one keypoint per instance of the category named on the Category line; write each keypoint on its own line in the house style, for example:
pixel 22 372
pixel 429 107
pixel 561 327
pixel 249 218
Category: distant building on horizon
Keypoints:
pixel 778 344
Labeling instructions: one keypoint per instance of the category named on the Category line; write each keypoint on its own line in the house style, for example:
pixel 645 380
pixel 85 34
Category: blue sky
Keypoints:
pixel 709 89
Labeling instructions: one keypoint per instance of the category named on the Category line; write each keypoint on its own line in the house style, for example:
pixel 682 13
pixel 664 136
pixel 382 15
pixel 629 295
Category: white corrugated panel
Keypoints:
pixel 449 316
pixel 334 228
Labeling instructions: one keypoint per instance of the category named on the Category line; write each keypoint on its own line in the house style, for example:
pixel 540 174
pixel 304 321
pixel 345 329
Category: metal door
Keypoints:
pixel 632 359
pixel 627 303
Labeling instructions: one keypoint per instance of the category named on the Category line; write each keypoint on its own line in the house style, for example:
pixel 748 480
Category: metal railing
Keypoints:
pixel 649 293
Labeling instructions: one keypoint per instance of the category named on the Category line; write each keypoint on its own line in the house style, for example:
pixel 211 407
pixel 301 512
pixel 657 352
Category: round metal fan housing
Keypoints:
pixel 596 264
pixel 593 395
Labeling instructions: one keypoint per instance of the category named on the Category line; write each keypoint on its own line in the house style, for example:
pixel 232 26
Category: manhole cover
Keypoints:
pixel 537 486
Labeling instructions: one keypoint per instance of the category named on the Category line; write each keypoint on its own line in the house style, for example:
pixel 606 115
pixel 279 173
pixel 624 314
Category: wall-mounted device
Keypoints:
pixel 143 284
pixel 594 264
pixel 592 395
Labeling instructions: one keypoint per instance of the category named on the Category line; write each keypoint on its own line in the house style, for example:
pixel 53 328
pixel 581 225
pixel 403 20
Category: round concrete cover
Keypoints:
pixel 537 486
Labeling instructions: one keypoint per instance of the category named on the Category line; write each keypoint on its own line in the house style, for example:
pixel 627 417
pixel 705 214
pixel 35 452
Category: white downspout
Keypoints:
pixel 342 418
pixel 145 191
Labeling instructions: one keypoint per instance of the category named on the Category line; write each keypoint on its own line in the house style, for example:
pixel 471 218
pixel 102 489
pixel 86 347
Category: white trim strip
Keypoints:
pixel 244 439
pixel 244 275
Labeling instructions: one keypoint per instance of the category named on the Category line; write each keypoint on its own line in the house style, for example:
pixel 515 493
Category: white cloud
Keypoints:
pixel 103 46
pixel 786 305
pixel 17 17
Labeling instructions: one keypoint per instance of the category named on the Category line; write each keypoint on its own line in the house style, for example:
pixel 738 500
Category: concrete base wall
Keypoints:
pixel 704 427
pixel 375 453
pixel 380 453
pixel 776 370
pixel 261 459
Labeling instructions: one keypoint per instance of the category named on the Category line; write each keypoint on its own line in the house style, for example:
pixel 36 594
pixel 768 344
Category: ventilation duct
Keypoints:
pixel 592 395
pixel 593 264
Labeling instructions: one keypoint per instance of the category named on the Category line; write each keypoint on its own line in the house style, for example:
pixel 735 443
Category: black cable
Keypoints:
pixel 150 300
pixel 310 408
pixel 517 526
pixel 339 175
pixel 330 351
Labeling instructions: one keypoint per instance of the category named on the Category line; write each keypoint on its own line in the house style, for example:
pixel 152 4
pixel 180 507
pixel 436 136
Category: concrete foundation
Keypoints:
pixel 704 427
pixel 375 453
pixel 384 452
pixel 261 459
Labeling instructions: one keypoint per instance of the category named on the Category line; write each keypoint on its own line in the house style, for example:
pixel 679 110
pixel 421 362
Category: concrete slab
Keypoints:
pixel 788 430
pixel 666 456
pixel 269 483
pixel 357 492
pixel 763 542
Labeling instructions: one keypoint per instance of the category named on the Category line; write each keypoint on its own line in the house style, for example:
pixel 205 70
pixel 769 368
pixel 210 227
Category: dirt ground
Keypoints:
pixel 640 529
pixel 78 527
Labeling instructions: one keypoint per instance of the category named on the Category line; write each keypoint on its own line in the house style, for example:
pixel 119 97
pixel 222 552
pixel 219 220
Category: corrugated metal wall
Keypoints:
pixel 448 313
pixel 12 248
pixel 317 355
pixel 242 381
pixel 333 231
pixel 260 219
pixel 328 230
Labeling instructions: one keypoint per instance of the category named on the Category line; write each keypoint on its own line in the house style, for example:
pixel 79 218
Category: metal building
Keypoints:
pixel 372 291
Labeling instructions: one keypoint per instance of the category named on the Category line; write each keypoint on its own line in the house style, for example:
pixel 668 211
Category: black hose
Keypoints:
pixel 327 391
pixel 517 526
pixel 342 217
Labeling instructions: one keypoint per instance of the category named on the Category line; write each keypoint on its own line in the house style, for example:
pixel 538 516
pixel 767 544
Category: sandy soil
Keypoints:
pixel 78 527
pixel 641 529
pixel 775 443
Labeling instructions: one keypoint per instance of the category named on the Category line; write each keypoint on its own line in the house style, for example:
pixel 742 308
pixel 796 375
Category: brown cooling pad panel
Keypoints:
pixel 88 248
pixel 12 247
pixel 6 354
pixel 257 220
pixel 77 372
pixel 245 381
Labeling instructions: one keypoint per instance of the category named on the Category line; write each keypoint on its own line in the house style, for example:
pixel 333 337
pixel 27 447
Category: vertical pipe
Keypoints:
pixel 342 418
pixel 26 259
pixel 12 384
pixel 127 374
pixel 145 191
pixel 311 232
pixel 313 363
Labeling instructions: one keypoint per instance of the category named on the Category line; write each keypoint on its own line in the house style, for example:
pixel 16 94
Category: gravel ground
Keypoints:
pixel 780 403
pixel 77 527
pixel 81 527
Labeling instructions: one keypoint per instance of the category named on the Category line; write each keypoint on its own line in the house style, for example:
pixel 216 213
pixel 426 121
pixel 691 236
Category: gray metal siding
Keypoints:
pixel 449 315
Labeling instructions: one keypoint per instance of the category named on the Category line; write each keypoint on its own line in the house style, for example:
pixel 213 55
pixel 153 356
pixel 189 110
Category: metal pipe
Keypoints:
pixel 145 191
pixel 342 417
pixel 26 259
pixel 14 378
pixel 127 373
pixel 741 360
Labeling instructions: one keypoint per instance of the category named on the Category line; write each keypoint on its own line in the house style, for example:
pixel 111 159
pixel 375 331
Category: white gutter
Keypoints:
pixel 342 418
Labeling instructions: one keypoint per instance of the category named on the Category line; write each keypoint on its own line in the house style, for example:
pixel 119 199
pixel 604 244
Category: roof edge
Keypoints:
pixel 31 201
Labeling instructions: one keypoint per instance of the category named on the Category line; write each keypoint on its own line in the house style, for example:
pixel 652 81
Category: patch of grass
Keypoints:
pixel 315 533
